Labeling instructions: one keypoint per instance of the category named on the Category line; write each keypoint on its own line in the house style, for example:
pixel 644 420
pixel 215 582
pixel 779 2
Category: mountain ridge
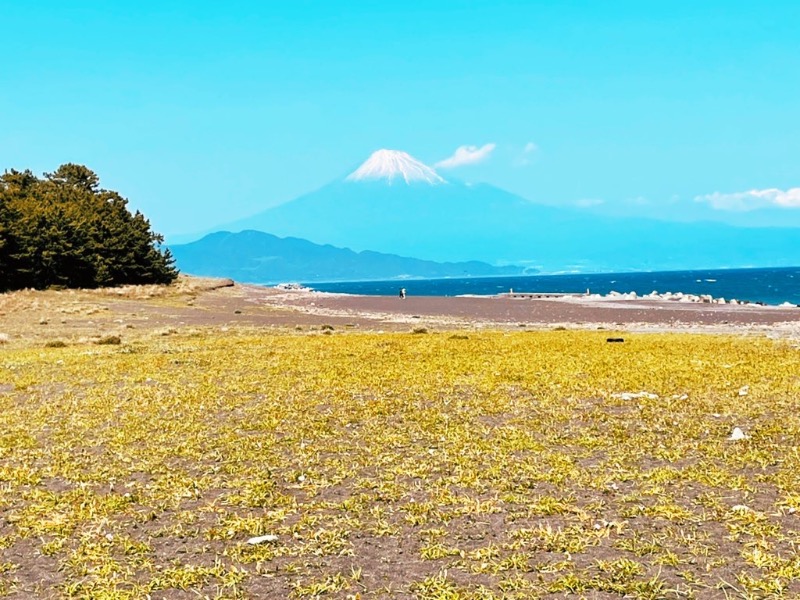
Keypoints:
pixel 257 257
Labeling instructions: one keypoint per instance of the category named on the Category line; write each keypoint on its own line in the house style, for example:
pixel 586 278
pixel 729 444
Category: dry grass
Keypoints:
pixel 493 465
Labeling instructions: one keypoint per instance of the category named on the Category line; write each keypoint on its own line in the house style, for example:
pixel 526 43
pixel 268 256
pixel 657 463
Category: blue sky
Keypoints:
pixel 205 112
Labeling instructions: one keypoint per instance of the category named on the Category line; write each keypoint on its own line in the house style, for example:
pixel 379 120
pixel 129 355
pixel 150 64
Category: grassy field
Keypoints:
pixel 432 466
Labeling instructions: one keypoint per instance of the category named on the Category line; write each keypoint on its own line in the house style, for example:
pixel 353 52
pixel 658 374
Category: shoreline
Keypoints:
pixel 135 312
pixel 582 312
pixel 668 297
pixel 770 286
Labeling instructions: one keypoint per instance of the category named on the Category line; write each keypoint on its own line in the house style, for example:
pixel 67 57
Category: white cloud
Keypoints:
pixel 753 199
pixel 589 202
pixel 466 155
pixel 525 157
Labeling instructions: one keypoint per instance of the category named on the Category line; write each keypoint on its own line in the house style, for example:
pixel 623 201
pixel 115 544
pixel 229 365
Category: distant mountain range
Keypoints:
pixel 394 204
pixel 257 257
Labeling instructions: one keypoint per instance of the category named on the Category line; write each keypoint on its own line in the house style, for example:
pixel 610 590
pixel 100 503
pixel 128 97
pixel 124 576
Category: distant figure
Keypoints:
pixel 402 292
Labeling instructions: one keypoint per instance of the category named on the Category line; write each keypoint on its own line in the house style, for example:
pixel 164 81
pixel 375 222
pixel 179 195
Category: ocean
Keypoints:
pixel 770 286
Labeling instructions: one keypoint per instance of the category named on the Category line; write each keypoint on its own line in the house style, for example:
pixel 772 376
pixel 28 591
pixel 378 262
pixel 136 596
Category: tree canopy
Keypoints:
pixel 65 230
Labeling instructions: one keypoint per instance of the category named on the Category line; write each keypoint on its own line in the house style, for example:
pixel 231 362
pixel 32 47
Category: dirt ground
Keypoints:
pixel 148 433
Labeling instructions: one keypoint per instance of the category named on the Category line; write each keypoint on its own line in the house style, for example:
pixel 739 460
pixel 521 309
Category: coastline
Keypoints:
pixel 768 285
pixel 36 317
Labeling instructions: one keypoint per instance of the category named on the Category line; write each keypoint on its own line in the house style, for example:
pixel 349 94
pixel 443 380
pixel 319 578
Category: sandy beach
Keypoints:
pixel 503 312
pixel 34 316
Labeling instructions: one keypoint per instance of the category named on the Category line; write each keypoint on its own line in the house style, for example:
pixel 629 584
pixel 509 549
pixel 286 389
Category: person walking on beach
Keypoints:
pixel 402 293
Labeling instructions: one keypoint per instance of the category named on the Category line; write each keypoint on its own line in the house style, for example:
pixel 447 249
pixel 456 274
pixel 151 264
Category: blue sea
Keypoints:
pixel 770 286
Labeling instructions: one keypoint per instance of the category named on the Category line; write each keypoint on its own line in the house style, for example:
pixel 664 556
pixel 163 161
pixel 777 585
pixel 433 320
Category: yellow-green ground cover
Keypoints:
pixel 466 465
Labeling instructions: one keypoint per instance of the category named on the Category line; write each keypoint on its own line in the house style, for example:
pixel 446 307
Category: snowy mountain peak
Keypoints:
pixel 394 164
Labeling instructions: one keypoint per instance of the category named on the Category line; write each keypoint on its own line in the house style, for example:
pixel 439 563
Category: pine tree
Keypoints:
pixel 65 230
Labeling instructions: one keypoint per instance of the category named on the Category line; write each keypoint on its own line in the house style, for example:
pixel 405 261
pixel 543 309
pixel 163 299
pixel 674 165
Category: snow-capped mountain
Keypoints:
pixel 391 165
pixel 395 204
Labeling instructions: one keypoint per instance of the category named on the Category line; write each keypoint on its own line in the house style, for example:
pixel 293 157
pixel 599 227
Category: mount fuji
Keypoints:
pixel 391 165
pixel 395 204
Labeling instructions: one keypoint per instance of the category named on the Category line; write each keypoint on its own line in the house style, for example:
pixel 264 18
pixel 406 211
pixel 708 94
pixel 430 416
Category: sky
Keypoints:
pixel 202 113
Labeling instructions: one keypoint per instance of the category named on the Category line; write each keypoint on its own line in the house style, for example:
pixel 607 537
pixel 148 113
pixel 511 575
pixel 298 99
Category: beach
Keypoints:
pixel 130 312
pixel 504 312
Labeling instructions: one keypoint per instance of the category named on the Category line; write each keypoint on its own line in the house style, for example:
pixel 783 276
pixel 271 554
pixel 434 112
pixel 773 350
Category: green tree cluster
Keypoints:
pixel 64 230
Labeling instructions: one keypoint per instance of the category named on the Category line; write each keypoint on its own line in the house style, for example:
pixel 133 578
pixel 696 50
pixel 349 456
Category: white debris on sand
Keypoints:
pixel 263 539
pixel 744 390
pixel 737 435
pixel 634 395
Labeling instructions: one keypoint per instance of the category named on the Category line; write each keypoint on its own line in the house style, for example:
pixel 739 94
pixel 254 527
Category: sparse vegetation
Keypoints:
pixel 522 465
